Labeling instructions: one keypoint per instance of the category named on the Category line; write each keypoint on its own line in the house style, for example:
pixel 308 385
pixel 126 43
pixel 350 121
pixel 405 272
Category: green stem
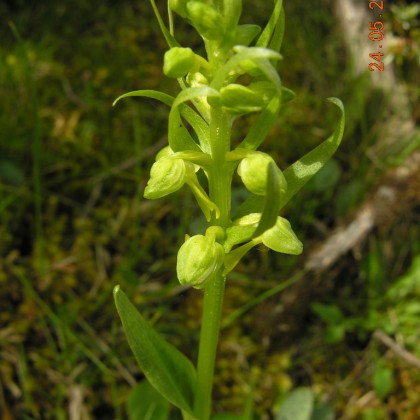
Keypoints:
pixel 220 175
pixel 212 309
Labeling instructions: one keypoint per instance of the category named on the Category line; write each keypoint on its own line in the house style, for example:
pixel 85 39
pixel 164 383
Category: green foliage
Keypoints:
pixel 145 403
pixel 204 261
pixel 382 380
pixel 61 343
pixel 402 296
pixel 298 405
pixel 169 371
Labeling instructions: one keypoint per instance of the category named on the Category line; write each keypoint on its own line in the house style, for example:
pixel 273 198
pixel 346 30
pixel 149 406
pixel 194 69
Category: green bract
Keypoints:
pixel 237 77
pixel 198 259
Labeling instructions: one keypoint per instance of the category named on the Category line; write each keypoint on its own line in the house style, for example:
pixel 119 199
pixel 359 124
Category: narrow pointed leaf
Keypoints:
pixel 166 368
pixel 287 95
pixel 270 72
pixel 277 39
pixel 262 125
pixel 233 258
pixel 179 137
pixel 245 34
pixel 153 94
pixel 200 105
pixel 196 121
pixel 238 234
pixel 200 126
pixel 298 174
pixel 271 201
pixel 171 41
pixel 192 93
pixel 267 33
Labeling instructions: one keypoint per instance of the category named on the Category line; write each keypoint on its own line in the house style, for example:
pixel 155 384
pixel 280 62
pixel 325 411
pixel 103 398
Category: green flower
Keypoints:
pixel 167 175
pixel 253 171
pixel 178 62
pixel 279 238
pixel 208 21
pixel 179 6
pixel 198 259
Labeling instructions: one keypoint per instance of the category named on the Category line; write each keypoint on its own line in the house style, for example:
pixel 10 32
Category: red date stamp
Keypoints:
pixel 376 35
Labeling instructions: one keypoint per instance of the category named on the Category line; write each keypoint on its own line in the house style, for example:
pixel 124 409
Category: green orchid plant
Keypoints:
pixel 212 95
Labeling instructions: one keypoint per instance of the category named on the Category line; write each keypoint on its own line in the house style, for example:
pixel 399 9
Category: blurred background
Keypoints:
pixel 342 319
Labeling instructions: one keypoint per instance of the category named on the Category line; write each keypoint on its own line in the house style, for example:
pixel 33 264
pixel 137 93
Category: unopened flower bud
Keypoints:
pixel 197 79
pixel 166 151
pixel 179 6
pixel 166 176
pixel 178 62
pixel 208 21
pixel 281 238
pixel 238 99
pixel 198 258
pixel 253 171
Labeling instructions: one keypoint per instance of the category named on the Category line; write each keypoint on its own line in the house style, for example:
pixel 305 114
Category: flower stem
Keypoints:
pixel 212 309
pixel 220 176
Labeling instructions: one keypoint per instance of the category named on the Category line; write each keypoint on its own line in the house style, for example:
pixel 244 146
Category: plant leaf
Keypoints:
pixel 145 403
pixel 233 258
pixel 298 174
pixel 271 201
pixel 262 125
pixel 166 368
pixel 241 232
pixel 170 40
pixel 382 380
pixel 277 39
pixel 179 137
pixel 153 94
pixel 199 125
pixel 193 118
pixel 298 405
pixel 266 35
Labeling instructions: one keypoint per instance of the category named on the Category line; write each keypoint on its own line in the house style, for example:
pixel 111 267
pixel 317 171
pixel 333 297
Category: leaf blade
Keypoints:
pixel 267 33
pixel 166 368
pixel 171 41
pixel 298 174
pixel 271 201
pixel 145 402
